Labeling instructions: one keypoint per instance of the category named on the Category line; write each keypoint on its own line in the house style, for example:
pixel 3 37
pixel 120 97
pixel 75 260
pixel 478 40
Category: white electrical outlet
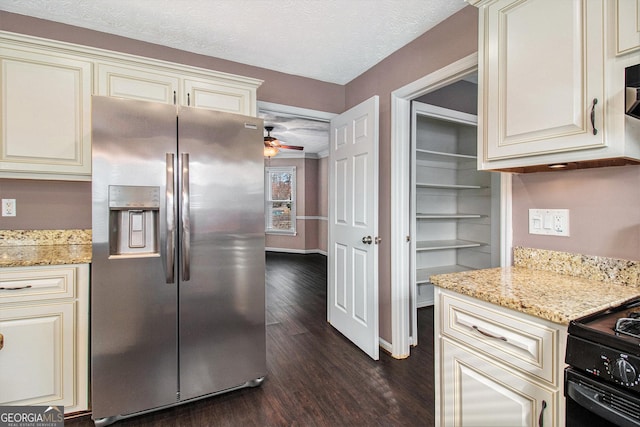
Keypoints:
pixel 550 222
pixel 8 207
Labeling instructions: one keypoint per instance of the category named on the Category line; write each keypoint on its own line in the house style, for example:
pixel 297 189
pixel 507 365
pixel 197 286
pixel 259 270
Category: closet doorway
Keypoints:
pixel 446 216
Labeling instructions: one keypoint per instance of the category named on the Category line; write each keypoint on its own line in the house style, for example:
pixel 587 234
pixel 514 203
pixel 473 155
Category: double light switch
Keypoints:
pixel 550 222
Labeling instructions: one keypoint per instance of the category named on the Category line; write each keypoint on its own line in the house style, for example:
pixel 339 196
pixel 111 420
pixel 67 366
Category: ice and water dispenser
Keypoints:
pixel 134 221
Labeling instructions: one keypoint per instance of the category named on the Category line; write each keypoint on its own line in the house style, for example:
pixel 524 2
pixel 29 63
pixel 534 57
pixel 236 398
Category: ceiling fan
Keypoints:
pixel 272 145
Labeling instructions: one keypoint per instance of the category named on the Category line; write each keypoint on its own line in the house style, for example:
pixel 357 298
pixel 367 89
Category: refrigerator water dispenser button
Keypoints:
pixel 136 229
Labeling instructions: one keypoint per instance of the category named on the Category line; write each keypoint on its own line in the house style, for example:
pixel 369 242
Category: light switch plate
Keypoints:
pixel 8 207
pixel 550 222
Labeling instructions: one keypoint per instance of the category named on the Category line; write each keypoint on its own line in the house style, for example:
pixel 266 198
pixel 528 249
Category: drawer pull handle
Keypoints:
pixel 16 288
pixel 540 419
pixel 486 334
pixel 1 341
pixel 593 115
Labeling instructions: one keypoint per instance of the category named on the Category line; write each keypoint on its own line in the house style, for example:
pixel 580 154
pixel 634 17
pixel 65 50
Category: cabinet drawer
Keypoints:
pixel 36 283
pixel 511 339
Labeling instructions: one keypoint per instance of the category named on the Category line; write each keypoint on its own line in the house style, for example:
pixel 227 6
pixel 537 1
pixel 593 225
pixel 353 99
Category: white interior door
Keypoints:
pixel 353 226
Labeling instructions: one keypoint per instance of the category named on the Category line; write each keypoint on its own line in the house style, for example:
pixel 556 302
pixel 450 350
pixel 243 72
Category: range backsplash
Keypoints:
pixel 609 270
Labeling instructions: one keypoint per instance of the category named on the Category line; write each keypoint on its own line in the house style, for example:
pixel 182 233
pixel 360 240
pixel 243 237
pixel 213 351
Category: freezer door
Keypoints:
pixel 133 308
pixel 222 265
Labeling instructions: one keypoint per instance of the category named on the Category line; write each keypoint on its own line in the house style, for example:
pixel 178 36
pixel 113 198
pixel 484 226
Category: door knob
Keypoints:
pixel 377 240
pixel 367 240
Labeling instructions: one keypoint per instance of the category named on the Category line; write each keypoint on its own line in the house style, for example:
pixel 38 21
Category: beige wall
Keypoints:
pixel 278 87
pixel 33 198
pixel 604 203
pixel 42 205
pixel 446 43
pixel 604 210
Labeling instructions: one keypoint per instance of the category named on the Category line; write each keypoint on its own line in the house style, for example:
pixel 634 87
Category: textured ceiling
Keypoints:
pixel 328 40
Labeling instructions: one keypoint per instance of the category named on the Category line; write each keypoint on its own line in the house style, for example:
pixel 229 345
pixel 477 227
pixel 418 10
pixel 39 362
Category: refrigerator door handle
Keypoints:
pixel 186 222
pixel 171 219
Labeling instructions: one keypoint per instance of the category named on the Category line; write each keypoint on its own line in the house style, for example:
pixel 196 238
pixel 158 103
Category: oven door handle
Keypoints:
pixel 589 399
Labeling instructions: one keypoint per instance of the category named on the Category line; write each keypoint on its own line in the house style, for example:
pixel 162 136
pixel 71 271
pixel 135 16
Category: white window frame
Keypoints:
pixel 268 201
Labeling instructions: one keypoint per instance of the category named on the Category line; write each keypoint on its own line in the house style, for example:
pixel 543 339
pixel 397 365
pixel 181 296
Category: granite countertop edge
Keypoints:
pixel 27 248
pixel 552 296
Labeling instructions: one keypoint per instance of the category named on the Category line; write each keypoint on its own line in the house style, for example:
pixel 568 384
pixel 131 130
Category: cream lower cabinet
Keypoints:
pixel 479 392
pixel 44 334
pixel 495 366
pixel 45 107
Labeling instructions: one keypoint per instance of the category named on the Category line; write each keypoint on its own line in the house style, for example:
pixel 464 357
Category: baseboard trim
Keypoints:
pixel 386 346
pixel 296 251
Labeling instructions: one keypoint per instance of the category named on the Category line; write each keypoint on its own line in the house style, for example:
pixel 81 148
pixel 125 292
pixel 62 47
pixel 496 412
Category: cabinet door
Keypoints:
pixel 218 96
pixel 628 23
pixel 137 83
pixel 45 114
pixel 477 391
pixel 37 359
pixel 541 71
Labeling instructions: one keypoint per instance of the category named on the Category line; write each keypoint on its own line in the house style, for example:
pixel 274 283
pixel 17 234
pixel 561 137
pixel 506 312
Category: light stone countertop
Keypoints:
pixel 534 286
pixel 25 248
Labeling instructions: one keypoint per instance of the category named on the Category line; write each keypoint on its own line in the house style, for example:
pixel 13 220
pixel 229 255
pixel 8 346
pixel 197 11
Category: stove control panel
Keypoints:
pixel 604 362
pixel 621 370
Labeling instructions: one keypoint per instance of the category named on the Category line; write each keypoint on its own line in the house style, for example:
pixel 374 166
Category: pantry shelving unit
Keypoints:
pixel 455 207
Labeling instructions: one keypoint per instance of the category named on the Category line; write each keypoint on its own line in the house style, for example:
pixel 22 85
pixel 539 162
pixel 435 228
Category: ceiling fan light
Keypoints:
pixel 270 151
pixel 272 141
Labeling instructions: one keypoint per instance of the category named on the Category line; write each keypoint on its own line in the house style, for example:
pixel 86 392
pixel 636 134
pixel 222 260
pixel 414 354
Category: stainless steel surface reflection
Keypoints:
pixel 156 344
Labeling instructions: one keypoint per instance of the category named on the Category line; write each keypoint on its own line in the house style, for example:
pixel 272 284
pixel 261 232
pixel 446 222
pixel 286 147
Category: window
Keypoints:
pixel 280 195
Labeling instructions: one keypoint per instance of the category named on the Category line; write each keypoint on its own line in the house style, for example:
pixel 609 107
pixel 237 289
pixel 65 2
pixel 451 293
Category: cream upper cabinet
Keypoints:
pixel 628 26
pixel 44 335
pixel 148 82
pixel 551 87
pixel 138 83
pixel 217 96
pixel 45 99
pixel 45 117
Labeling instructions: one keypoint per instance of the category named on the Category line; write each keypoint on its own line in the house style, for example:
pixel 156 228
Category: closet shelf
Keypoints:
pixel 447 216
pixel 436 245
pixel 442 156
pixel 423 275
pixel 448 186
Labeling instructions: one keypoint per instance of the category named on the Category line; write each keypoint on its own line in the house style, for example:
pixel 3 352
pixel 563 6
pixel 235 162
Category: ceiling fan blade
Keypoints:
pixel 292 147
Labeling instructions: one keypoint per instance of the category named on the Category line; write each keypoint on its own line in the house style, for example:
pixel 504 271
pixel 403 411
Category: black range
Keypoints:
pixel 602 382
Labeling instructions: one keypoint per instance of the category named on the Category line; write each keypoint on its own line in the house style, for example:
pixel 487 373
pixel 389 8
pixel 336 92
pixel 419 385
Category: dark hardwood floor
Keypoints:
pixel 315 377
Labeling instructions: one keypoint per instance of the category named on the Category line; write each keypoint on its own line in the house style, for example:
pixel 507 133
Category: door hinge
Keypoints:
pixel 408 238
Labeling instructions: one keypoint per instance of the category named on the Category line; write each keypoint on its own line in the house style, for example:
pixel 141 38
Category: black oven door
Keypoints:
pixel 592 402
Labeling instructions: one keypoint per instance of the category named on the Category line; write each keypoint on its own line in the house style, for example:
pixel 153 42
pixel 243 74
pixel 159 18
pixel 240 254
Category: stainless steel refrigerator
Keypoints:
pixel 177 281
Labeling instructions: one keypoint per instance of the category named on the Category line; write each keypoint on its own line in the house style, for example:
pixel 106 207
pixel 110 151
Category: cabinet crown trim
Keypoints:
pixel 94 53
